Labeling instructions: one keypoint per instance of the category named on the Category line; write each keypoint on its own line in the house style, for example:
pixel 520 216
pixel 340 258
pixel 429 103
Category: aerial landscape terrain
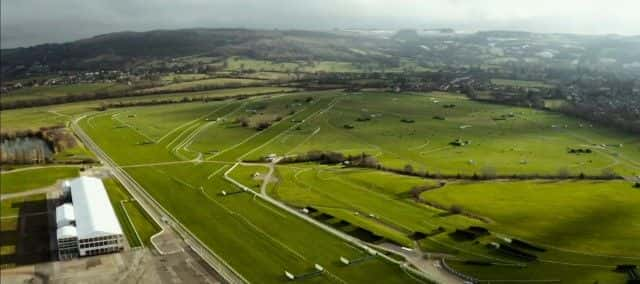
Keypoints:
pixel 344 155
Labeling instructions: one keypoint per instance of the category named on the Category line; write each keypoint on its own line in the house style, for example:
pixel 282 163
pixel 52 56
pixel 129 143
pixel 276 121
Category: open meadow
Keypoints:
pixel 36 117
pixel 34 178
pixel 181 185
pixel 449 134
pixel 585 227
pixel 179 154
pixel 56 91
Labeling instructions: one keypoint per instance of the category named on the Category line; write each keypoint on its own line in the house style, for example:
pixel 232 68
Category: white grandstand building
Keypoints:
pixel 88 225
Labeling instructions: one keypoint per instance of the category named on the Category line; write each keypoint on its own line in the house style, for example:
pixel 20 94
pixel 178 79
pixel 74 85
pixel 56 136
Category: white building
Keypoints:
pixel 65 215
pixel 96 227
pixel 67 237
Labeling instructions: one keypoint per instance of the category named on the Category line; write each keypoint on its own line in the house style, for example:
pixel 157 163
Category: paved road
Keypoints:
pixel 428 271
pixel 417 258
pixel 165 242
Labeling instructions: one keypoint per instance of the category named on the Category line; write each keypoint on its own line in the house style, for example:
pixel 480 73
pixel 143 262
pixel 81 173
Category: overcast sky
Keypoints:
pixel 30 22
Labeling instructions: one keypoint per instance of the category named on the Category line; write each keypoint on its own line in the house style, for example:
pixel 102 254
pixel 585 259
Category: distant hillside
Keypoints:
pixel 504 49
pixel 124 49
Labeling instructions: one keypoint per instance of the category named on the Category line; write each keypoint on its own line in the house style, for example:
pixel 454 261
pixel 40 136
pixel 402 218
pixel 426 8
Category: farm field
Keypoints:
pixel 566 218
pixel 205 83
pixel 237 64
pixel 183 77
pixel 182 152
pixel 262 66
pixel 36 117
pixel 520 83
pixel 499 140
pixel 31 93
pixel 183 185
pixel 27 179
pixel 588 211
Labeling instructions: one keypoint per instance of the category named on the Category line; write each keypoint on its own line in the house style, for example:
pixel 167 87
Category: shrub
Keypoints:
pixel 244 121
pixel 489 172
pixel 563 172
pixel 608 173
pixel 408 168
pixel 456 209
pixel 637 185
pixel 263 125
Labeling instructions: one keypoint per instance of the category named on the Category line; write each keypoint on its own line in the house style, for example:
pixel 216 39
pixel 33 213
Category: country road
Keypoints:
pixel 426 268
pixel 165 242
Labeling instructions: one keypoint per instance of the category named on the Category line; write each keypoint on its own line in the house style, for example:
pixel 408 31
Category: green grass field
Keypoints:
pixel 117 196
pixel 372 200
pixel 506 140
pixel 204 83
pixel 185 185
pixel 183 77
pixel 181 152
pixel 36 117
pixel 137 226
pixel 145 226
pixel 11 207
pixel 31 93
pixel 238 64
pixel 585 212
pixel 580 223
pixel 520 83
pixel 27 179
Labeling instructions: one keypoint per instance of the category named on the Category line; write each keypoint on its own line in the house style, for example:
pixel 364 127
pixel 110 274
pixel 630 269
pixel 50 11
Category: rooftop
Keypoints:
pixel 65 214
pixel 93 211
pixel 68 231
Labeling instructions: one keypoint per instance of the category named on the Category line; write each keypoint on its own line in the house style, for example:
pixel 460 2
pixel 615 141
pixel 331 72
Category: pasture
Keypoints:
pixel 27 179
pixel 179 154
pixel 244 64
pixel 201 84
pixel 573 214
pixel 583 225
pixel 31 93
pixel 520 83
pixel 36 117
pixel 176 78
pixel 180 186
pixel 501 140
pixel 245 231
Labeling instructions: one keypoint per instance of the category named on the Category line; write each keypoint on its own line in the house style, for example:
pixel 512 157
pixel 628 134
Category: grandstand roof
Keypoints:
pixel 68 231
pixel 65 214
pixel 94 215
